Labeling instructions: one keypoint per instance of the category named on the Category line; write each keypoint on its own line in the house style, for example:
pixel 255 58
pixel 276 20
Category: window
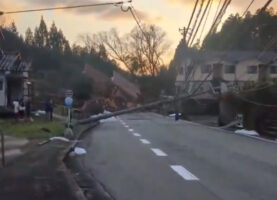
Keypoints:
pixel 252 69
pixel 273 69
pixel 230 69
pixel 206 69
pixel 190 68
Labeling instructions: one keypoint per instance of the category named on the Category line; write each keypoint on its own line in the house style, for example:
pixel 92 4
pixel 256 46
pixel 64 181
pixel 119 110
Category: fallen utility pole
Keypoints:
pixel 138 108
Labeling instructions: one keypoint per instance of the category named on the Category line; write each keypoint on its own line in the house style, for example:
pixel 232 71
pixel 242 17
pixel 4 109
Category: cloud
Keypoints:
pixel 5 6
pixel 181 2
pixel 115 14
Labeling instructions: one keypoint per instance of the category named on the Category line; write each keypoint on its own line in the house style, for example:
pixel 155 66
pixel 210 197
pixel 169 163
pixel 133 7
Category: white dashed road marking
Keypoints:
pixel 137 134
pixel 131 130
pixel 159 152
pixel 184 173
pixel 144 141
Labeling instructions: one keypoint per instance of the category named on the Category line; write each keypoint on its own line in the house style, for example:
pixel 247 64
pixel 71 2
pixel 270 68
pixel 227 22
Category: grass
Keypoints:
pixel 32 130
pixel 61 110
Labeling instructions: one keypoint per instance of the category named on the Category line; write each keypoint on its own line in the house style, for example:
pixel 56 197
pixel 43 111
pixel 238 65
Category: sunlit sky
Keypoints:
pixel 170 15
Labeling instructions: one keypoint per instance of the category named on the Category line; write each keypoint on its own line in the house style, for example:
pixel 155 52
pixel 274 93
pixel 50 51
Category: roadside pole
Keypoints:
pixel 3 148
pixel 68 103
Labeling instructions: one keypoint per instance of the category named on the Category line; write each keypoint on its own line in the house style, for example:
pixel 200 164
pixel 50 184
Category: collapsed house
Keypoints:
pixel 14 79
pixel 115 92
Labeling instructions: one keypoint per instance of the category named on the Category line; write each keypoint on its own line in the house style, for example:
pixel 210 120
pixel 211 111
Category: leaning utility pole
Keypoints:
pixel 265 6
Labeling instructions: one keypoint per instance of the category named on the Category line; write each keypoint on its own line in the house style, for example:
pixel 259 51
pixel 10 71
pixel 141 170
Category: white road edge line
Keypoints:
pixel 159 152
pixel 184 173
pixel 144 141
pixel 137 134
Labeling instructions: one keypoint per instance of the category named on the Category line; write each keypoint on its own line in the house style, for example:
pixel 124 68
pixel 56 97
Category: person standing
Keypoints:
pixel 16 110
pixel 28 109
pixel 21 108
pixel 49 107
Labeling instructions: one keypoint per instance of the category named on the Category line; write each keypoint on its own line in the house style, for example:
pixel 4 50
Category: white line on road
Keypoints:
pixel 184 173
pixel 144 141
pixel 131 130
pixel 159 152
pixel 126 126
pixel 137 134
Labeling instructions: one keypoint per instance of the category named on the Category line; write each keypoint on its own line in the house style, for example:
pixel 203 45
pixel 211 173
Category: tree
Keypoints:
pixel 253 32
pixel 102 52
pixel 116 46
pixel 82 88
pixel 148 47
pixel 54 39
pixel 139 52
pixel 29 37
pixel 12 28
pixel 87 40
pixel 41 35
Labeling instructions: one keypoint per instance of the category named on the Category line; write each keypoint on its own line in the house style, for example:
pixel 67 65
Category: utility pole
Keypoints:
pixel 265 6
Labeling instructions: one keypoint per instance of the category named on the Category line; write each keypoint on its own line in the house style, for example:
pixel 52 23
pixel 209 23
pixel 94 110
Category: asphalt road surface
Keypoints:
pixel 145 156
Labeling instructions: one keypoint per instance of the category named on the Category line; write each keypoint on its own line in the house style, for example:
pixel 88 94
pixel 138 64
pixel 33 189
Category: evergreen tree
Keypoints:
pixel 102 52
pixel 13 28
pixel 29 37
pixel 41 35
pixel 54 38
pixel 253 32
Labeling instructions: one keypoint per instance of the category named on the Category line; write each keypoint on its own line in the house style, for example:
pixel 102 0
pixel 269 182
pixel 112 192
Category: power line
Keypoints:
pixel 196 20
pixel 216 17
pixel 64 7
pixel 246 10
pixel 133 12
pixel 201 20
pixel 191 17
pixel 217 9
pixel 222 14
pixel 222 11
pixel 203 28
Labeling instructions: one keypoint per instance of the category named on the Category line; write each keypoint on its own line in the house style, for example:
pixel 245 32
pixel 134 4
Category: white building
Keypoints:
pixel 219 71
pixel 14 78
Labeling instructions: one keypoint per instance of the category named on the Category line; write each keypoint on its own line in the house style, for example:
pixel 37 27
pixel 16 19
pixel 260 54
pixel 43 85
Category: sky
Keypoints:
pixel 170 15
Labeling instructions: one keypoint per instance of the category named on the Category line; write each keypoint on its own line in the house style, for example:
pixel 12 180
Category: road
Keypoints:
pixel 145 156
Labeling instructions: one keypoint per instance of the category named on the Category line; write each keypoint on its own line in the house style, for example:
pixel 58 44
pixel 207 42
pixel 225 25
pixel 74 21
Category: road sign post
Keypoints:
pixel 68 101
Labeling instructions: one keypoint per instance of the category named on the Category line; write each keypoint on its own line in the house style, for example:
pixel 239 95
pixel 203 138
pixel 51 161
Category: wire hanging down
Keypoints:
pixel 65 7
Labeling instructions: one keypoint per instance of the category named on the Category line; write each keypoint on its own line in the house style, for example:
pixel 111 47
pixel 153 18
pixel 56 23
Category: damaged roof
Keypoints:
pixel 233 56
pixel 13 62
pixel 128 87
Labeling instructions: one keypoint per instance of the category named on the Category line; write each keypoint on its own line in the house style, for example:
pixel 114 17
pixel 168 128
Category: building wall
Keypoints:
pixel 241 70
pixel 240 74
pixel 3 86
pixel 273 75
pixel 199 76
